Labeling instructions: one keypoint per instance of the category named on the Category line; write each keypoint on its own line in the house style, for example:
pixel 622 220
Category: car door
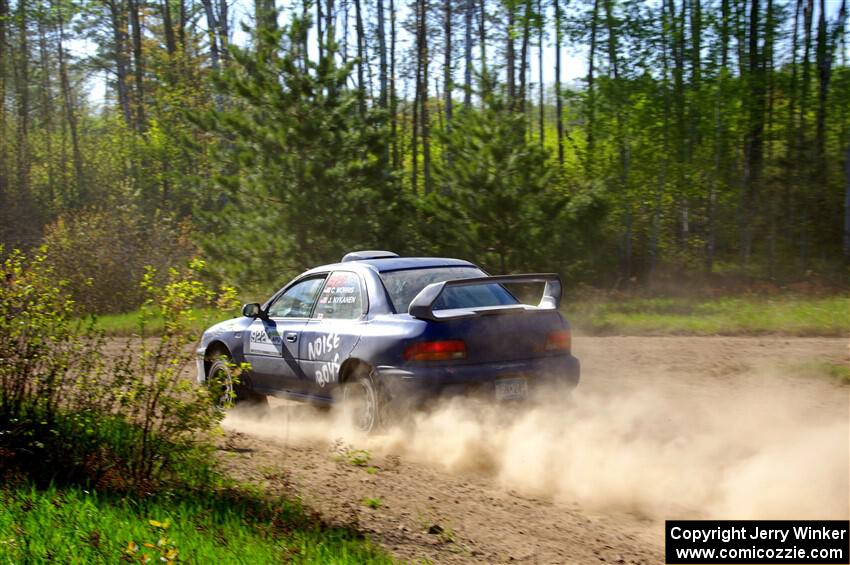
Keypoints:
pixel 272 342
pixel 334 329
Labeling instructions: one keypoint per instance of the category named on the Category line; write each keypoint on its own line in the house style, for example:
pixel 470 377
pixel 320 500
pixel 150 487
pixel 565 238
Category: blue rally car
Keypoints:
pixel 385 333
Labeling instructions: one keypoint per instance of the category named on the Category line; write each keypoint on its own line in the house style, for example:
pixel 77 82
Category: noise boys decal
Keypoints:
pixel 324 348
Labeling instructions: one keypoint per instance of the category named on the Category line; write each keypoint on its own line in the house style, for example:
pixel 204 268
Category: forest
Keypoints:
pixel 616 142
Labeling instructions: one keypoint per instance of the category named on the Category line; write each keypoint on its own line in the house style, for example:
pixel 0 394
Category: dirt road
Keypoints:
pixel 659 428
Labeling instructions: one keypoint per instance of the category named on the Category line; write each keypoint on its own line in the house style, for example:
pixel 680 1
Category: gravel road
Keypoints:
pixel 660 427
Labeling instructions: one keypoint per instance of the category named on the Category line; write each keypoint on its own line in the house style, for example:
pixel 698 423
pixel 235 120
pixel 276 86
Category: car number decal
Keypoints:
pixel 264 340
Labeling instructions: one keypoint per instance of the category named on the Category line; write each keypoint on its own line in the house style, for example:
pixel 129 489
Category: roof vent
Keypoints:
pixel 363 255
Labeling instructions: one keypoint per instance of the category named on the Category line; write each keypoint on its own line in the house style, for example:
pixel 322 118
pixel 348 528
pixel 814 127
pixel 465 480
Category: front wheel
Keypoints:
pixel 227 389
pixel 363 403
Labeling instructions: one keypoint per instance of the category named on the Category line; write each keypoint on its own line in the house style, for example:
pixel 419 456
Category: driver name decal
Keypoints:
pixel 338 290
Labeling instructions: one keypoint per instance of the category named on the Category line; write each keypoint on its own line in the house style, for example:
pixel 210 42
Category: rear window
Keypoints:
pixel 403 286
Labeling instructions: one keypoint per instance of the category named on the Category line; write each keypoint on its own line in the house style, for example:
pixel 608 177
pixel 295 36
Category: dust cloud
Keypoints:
pixel 753 451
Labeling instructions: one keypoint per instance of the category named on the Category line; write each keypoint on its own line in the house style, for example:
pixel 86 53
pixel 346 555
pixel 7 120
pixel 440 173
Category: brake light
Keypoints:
pixel 560 340
pixel 436 350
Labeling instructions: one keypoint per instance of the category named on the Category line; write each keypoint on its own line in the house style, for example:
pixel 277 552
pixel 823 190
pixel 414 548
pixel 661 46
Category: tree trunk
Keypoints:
pixel 224 27
pixel 540 93
pixel 414 146
pixel 665 149
pixel 383 94
pixel 802 157
pixel 591 88
pixel 69 108
pixel 827 43
pixel 559 102
pixel 305 47
pixel 791 168
pixel 122 62
pixel 181 26
pixel 212 34
pixel 468 13
pixel 4 68
pixel 423 97
pixel 47 111
pixel 320 40
pixel 393 95
pixel 824 67
pixel 523 59
pixel 448 80
pixel 719 138
pixel 482 39
pixel 847 204
pixel 448 86
pixel 414 138
pixel 168 28
pixel 330 26
pixel 361 81
pixel 768 65
pixel 345 27
pixel 754 149
pixel 622 136
pixel 138 63
pixel 22 135
pixel 696 43
pixel 510 55
pixel 682 131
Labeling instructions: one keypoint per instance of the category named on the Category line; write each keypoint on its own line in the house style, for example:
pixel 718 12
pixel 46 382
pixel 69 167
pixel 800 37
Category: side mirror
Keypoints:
pixel 252 310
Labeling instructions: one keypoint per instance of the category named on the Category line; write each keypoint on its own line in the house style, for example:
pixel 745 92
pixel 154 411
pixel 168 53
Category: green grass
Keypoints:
pixel 786 315
pixel 72 525
pixel 127 324
pixel 837 372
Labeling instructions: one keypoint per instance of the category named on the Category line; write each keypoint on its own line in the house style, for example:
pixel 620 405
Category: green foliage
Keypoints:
pixel 72 525
pixel 347 454
pixel 70 412
pixel 501 201
pixel 683 149
pixel 304 170
pixel 373 503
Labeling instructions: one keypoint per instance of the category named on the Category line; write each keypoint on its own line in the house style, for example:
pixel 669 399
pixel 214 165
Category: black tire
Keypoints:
pixel 229 391
pixel 363 402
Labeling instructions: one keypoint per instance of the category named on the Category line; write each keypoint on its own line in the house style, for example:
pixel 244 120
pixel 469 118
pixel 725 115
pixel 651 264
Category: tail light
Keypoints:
pixel 560 340
pixel 436 350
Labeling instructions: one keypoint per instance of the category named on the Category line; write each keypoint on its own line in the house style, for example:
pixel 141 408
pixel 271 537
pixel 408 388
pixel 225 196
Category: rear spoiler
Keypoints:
pixel 423 305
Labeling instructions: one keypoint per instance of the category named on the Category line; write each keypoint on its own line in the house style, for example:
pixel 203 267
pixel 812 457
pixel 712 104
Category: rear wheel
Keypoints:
pixel 363 402
pixel 227 389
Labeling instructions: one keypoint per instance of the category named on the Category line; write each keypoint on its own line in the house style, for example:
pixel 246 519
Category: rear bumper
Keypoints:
pixel 417 384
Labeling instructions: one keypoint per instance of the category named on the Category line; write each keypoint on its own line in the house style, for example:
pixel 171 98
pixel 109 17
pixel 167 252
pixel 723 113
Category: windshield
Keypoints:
pixel 403 286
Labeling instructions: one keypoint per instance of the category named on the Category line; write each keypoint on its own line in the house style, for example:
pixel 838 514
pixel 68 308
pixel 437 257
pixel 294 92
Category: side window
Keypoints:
pixel 341 298
pixel 298 300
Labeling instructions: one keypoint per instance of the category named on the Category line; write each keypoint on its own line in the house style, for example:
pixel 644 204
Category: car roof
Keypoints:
pixel 397 264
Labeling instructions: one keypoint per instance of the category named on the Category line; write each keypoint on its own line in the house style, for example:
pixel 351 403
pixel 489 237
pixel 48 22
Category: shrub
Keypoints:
pixel 70 411
pixel 102 254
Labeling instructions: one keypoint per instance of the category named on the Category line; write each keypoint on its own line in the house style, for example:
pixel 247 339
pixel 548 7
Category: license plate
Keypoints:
pixel 511 389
